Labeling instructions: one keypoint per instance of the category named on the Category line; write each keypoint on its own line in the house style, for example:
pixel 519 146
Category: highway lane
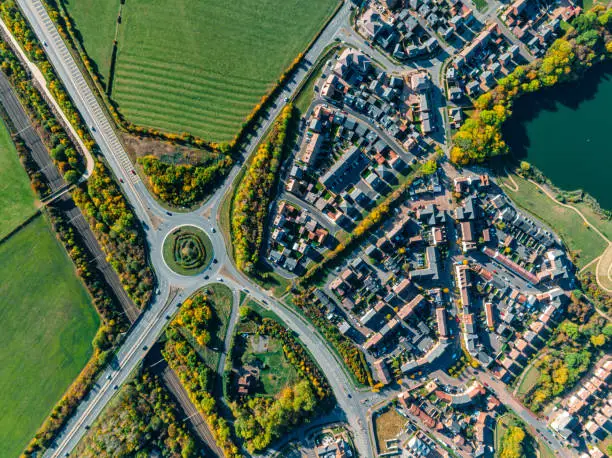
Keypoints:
pixel 150 325
pixel 40 82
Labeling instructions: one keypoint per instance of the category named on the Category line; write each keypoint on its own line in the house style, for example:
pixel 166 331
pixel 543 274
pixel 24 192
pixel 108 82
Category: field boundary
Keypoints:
pixel 18 228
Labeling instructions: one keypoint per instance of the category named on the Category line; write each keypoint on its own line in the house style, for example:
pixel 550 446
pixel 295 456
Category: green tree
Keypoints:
pixel 72 176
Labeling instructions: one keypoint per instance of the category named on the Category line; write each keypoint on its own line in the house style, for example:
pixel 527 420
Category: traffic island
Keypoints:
pixel 187 250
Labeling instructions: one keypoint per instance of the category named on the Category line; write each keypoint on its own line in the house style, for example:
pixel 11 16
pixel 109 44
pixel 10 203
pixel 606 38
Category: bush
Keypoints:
pixel 118 231
pixel 183 185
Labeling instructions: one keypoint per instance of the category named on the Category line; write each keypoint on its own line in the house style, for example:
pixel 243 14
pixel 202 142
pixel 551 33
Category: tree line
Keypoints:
pixel 252 198
pixel 588 42
pixel 352 356
pixel 119 232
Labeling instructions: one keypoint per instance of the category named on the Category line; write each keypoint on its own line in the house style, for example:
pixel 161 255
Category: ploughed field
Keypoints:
pixel 47 324
pixel 197 66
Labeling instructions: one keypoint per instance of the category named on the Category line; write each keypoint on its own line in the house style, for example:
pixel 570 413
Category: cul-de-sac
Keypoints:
pixel 305 228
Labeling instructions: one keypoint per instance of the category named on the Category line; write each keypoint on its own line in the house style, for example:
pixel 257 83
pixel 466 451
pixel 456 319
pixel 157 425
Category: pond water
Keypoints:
pixel 566 132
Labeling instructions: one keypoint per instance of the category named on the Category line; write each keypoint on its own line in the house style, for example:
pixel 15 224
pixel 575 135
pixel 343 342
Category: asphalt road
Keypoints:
pixel 158 224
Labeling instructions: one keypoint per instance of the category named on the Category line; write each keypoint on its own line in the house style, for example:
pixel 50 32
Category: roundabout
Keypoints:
pixel 187 250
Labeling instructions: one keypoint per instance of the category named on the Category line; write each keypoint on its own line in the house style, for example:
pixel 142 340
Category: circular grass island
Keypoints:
pixel 187 250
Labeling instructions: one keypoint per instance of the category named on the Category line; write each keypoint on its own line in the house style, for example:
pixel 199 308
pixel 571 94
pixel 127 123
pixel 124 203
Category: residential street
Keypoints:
pixel 354 404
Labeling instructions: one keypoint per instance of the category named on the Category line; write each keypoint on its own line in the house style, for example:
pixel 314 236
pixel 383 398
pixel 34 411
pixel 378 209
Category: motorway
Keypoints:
pixel 173 288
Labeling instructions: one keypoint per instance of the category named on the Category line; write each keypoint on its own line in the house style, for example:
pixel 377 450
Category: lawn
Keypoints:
pixel 529 381
pixel 387 426
pixel 48 325
pixel 276 372
pixel 481 5
pixel 563 221
pixel 188 250
pixel 199 66
pixel 16 195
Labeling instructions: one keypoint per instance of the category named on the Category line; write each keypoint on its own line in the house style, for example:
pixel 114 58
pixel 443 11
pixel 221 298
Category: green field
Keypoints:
pixel 563 221
pixel 47 324
pixel 197 66
pixel 529 380
pixel 16 195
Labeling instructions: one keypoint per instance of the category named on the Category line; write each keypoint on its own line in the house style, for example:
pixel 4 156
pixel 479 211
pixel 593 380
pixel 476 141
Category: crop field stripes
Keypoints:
pixel 200 100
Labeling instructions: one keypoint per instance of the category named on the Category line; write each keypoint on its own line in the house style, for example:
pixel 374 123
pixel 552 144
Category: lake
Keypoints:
pixel 566 132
